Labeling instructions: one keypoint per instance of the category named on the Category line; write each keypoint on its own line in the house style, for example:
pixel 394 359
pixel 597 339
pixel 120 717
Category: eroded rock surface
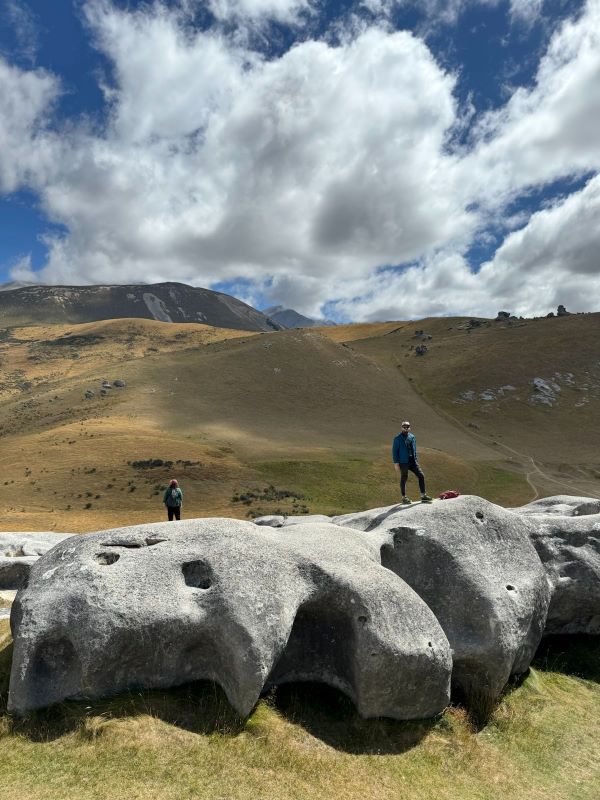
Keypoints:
pixel 570 550
pixel 229 601
pixel 474 565
pixel 563 505
pixel 18 553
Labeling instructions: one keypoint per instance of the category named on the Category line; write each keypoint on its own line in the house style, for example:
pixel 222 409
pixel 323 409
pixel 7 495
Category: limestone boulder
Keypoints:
pixel 475 566
pixel 562 505
pixel 19 551
pixel 570 551
pixel 229 601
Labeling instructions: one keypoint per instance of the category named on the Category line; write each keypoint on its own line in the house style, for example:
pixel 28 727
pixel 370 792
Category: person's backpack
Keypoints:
pixel 173 497
pixel 449 494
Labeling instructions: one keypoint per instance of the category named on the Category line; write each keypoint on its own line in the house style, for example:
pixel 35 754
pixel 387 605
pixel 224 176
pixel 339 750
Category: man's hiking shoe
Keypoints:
pixel 406 501
pixel 425 498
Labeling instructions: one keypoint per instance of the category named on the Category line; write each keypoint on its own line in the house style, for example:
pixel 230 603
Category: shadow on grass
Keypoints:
pixel 329 715
pixel 576 655
pixel 199 707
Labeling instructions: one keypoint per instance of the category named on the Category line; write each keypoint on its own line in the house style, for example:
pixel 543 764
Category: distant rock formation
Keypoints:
pixel 562 312
pixel 392 605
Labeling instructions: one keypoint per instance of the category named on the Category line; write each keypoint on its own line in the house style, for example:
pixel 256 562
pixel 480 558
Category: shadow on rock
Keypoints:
pixel 199 707
pixel 577 655
pixel 329 715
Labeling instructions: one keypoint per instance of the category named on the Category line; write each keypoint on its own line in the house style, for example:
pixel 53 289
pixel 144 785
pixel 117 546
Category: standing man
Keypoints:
pixel 404 456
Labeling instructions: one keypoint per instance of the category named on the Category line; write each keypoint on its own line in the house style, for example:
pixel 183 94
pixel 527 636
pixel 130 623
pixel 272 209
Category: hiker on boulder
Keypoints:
pixel 173 500
pixel 404 456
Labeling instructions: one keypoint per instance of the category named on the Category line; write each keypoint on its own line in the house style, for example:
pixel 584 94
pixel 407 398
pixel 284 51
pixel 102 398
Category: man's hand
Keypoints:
pixel 397 467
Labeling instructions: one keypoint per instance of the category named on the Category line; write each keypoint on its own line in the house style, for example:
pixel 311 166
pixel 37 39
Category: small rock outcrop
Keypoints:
pixel 562 312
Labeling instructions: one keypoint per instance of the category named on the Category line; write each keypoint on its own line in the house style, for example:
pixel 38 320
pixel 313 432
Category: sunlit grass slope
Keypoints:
pixel 305 742
pixel 226 416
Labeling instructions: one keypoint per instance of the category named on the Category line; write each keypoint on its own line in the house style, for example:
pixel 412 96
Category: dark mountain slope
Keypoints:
pixel 166 302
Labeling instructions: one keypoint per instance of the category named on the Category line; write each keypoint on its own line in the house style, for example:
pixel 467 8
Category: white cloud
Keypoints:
pixel 548 131
pixel 553 259
pixel 26 148
pixel 220 165
pixel 288 11
pixel 300 176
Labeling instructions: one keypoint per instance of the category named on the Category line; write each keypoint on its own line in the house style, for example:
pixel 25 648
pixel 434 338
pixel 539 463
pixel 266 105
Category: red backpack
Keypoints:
pixel 449 494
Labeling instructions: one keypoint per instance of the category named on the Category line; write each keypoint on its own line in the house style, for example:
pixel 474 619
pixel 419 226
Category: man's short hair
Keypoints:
pixel 406 422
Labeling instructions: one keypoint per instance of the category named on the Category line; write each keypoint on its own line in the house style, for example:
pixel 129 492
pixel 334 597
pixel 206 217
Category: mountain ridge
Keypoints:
pixel 165 302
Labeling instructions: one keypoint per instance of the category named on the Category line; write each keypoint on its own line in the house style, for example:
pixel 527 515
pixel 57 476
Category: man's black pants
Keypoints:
pixel 176 510
pixel 413 467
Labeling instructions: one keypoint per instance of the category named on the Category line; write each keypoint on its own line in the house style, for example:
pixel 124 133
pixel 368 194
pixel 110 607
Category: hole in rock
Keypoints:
pixel 107 558
pixel 320 647
pixel 429 644
pixel 134 544
pixel 55 664
pixel 479 514
pixel 510 587
pixel 362 619
pixel 152 540
pixel 197 574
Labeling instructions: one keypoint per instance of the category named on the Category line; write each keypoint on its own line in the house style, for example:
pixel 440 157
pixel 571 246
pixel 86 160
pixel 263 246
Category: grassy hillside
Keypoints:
pixel 227 414
pixel 306 741
pixel 482 379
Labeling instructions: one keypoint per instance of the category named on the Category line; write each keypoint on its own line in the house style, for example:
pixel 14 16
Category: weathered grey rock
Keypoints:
pixel 270 520
pixel 304 519
pixel 570 551
pixel 230 601
pixel 562 504
pixel 368 520
pixel 19 551
pixel 119 384
pixel 474 565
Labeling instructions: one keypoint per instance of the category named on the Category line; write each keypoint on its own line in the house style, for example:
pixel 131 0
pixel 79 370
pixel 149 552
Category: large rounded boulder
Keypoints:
pixel 229 601
pixel 474 565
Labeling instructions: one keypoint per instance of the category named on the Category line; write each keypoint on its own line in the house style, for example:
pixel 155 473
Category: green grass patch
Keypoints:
pixel 306 742
pixel 342 485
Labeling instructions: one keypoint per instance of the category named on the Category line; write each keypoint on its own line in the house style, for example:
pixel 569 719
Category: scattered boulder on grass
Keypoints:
pixel 246 606
pixel 562 312
pixel 119 384
pixel 503 315
pixel 89 393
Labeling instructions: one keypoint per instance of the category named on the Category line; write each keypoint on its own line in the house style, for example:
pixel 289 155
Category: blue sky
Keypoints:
pixel 368 160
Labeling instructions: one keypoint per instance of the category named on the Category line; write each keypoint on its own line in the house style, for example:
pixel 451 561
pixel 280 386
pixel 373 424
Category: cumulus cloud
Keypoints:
pixel 26 147
pixel 550 130
pixel 304 177
pixel 218 164
pixel 554 258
